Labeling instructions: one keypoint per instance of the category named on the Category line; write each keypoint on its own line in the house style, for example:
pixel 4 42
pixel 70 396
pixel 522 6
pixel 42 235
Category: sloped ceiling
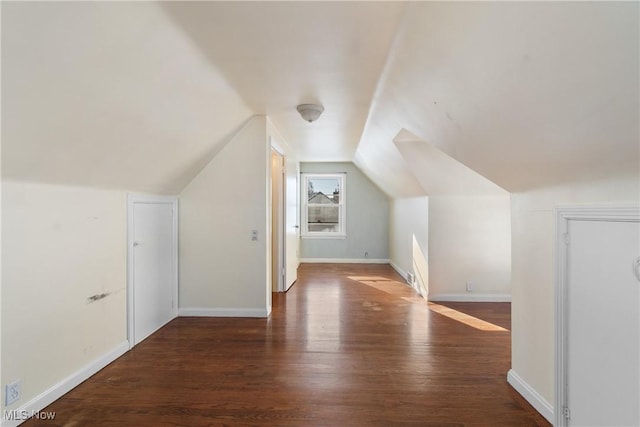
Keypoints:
pixel 110 95
pixel 140 95
pixel 528 94
pixel 281 54
pixel 439 174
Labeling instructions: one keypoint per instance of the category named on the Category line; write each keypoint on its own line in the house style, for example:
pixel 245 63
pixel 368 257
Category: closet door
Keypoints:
pixel 152 264
pixel 602 314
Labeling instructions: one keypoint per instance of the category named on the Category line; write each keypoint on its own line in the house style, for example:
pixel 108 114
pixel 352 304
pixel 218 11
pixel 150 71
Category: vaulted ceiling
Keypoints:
pixel 498 96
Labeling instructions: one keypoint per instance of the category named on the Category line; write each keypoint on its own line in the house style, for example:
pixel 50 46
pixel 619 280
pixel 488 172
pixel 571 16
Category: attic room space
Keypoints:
pixel 458 138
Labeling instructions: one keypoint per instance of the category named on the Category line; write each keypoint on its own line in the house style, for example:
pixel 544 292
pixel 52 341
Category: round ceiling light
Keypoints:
pixel 310 112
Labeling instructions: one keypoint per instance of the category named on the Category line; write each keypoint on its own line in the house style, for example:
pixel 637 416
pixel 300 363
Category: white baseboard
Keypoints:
pixel 223 312
pixel 470 297
pixel 398 270
pixel 56 391
pixel 531 395
pixel 404 275
pixel 343 261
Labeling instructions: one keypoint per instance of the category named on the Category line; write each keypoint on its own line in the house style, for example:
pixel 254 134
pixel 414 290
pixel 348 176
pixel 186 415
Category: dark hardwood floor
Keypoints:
pixel 348 345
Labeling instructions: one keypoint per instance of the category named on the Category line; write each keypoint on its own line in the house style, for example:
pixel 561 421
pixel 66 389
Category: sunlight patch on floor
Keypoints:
pixel 370 278
pixel 380 283
pixel 388 286
pixel 468 320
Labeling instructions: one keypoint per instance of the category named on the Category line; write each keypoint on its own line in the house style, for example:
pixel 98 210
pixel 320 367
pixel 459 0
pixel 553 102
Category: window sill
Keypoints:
pixel 323 236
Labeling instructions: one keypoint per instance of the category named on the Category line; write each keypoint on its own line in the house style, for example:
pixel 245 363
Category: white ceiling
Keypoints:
pixel 438 173
pixel 277 55
pixel 527 94
pixel 140 95
pixel 109 95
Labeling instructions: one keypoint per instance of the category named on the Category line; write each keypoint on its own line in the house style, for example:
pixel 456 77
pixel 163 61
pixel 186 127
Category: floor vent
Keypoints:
pixel 411 279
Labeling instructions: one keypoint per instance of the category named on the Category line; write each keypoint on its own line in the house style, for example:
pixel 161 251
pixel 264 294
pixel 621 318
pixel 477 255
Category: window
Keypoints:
pixel 323 209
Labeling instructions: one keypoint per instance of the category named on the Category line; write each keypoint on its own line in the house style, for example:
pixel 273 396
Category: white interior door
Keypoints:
pixel 602 324
pixel 153 265
pixel 292 221
pixel 277 222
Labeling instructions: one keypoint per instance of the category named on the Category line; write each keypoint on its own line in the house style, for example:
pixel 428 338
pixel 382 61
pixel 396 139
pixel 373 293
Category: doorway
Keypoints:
pixel 597 317
pixel 278 243
pixel 152 264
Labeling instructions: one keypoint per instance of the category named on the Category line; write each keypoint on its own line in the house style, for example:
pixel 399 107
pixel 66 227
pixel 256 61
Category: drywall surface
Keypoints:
pixel 367 218
pixel 528 94
pixel 221 267
pixel 469 241
pixel 409 239
pixel 277 54
pixel 533 240
pixel 121 96
pixel 439 173
pixel 60 246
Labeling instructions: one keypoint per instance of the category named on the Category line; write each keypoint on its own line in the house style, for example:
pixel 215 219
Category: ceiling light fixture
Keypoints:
pixel 310 112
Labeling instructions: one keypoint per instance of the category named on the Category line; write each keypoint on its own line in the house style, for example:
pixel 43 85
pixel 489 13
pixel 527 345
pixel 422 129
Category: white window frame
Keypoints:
pixel 342 206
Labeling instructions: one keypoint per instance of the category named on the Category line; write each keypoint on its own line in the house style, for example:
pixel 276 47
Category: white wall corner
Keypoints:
pixel 530 395
pixel 398 270
pixel 471 297
pixel 223 312
pixel 56 391
pixel 405 276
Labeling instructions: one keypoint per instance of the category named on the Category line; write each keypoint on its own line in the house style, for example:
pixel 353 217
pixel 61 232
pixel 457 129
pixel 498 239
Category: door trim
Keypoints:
pixel 132 199
pixel 564 214
pixel 280 236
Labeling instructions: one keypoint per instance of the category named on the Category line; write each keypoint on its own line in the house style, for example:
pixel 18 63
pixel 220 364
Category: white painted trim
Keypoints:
pixel 133 198
pixel 404 275
pixel 398 270
pixel 151 198
pixel 282 222
pixel 531 395
pixel 471 297
pixel 564 214
pixel 343 261
pixel 323 237
pixel 304 232
pixel 56 391
pixel 223 312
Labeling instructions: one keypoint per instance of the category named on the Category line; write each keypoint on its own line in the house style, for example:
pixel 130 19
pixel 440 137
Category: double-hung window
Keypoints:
pixel 323 208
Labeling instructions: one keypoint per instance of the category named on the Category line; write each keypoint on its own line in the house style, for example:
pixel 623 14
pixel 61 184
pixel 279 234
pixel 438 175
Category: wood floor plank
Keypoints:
pixel 347 345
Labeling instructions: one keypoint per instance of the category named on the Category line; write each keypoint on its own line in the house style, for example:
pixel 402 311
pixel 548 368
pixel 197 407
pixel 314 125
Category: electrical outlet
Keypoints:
pixel 469 286
pixel 11 393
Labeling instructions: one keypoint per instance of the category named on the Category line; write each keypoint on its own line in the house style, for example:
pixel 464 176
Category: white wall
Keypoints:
pixel 528 94
pixel 367 219
pixel 60 246
pixel 121 96
pixel 469 240
pixel 468 226
pixel 533 239
pixel 409 239
pixel 222 271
